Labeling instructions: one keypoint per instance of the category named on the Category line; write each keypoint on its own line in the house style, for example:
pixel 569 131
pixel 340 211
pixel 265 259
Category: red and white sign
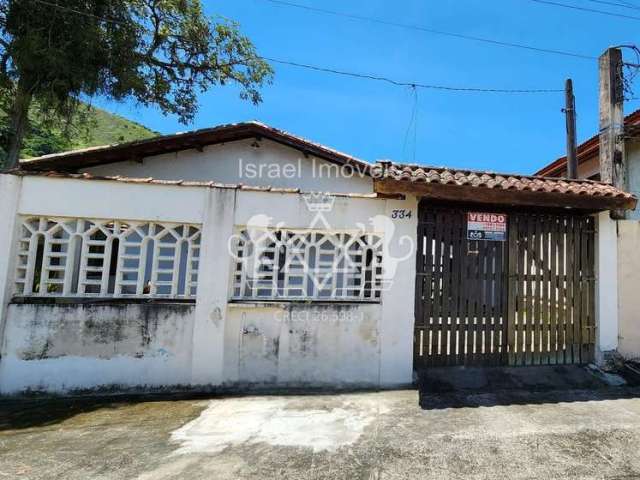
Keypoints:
pixel 487 226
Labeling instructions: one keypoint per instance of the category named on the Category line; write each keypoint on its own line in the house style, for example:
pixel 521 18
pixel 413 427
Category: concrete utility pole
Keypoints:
pixel 570 113
pixel 612 161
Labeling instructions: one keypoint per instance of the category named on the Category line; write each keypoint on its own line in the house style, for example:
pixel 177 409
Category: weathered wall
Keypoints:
pixel 271 164
pixel 628 282
pixel 74 359
pixel 67 347
pixel 214 343
pixel 300 344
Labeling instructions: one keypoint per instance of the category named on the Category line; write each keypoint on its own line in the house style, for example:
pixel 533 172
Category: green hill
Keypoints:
pixel 92 127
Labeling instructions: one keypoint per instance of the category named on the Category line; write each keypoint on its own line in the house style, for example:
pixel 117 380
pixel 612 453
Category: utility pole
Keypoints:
pixel 612 161
pixel 570 113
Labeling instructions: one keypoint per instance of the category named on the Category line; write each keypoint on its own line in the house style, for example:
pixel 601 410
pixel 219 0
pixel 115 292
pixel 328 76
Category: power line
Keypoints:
pixel 585 9
pixel 429 30
pixel 615 4
pixel 413 123
pixel 345 73
pixel 408 84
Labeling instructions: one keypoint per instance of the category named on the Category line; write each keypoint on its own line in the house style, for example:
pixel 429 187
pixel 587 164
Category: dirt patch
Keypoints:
pixel 307 423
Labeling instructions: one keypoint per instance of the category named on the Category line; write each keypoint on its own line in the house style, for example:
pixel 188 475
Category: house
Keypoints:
pixel 244 256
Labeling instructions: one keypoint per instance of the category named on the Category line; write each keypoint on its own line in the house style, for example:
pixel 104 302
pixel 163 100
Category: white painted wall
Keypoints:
pixel 10 187
pixel 271 164
pixel 396 362
pixel 58 348
pixel 105 199
pixel 606 286
pixel 628 282
pixel 217 343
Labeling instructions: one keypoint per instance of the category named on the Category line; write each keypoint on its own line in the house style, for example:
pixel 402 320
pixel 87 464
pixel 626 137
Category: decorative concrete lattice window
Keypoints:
pixel 287 264
pixel 79 257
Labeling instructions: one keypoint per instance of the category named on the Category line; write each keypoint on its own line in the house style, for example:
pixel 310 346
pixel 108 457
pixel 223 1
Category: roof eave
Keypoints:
pixel 585 152
pixel 500 196
pixel 72 161
pixel 56 175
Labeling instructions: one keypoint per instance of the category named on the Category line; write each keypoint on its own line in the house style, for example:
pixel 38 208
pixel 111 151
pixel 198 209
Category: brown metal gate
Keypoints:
pixel 526 301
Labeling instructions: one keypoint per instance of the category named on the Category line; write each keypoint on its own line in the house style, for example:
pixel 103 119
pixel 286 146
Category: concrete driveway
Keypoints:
pixel 382 435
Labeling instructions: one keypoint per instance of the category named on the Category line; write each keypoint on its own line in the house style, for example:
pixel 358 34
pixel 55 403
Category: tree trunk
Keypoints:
pixel 19 120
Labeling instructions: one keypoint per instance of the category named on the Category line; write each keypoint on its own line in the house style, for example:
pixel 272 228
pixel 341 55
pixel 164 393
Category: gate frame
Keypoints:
pixel 596 259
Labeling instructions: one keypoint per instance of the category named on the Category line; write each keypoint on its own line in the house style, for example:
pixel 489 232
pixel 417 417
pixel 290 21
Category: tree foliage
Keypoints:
pixel 89 127
pixel 158 52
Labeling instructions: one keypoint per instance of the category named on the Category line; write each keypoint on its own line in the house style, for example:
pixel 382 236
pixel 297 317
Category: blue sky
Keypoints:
pixel 373 120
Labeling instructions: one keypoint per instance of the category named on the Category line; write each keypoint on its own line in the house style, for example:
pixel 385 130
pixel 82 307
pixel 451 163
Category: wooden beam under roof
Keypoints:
pixel 499 196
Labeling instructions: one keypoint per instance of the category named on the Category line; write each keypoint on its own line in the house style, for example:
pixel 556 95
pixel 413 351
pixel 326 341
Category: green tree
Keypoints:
pixel 158 52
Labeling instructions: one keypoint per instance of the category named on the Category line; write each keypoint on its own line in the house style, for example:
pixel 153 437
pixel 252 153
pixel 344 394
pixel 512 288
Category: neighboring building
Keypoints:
pixel 210 259
pixel 589 162
pixel 628 230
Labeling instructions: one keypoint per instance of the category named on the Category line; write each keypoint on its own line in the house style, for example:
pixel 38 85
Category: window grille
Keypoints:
pixel 288 264
pixel 107 258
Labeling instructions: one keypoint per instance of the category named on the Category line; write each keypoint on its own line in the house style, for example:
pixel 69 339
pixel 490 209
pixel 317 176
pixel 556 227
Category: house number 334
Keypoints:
pixel 400 214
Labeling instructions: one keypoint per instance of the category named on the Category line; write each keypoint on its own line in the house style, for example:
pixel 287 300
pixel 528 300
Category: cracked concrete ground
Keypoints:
pixel 576 434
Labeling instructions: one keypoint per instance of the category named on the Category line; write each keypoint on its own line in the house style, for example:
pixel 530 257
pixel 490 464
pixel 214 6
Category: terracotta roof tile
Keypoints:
pixel 417 174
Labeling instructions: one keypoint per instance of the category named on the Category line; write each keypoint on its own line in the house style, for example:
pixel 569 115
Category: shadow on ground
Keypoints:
pixel 25 413
pixel 20 413
pixel 458 387
pixel 30 413
pixel 439 388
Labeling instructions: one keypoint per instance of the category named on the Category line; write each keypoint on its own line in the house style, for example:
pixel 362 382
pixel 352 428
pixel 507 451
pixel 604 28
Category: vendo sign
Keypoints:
pixel 487 226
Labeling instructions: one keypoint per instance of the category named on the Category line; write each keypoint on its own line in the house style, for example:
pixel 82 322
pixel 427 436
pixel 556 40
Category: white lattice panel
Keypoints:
pixel 107 258
pixel 288 264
